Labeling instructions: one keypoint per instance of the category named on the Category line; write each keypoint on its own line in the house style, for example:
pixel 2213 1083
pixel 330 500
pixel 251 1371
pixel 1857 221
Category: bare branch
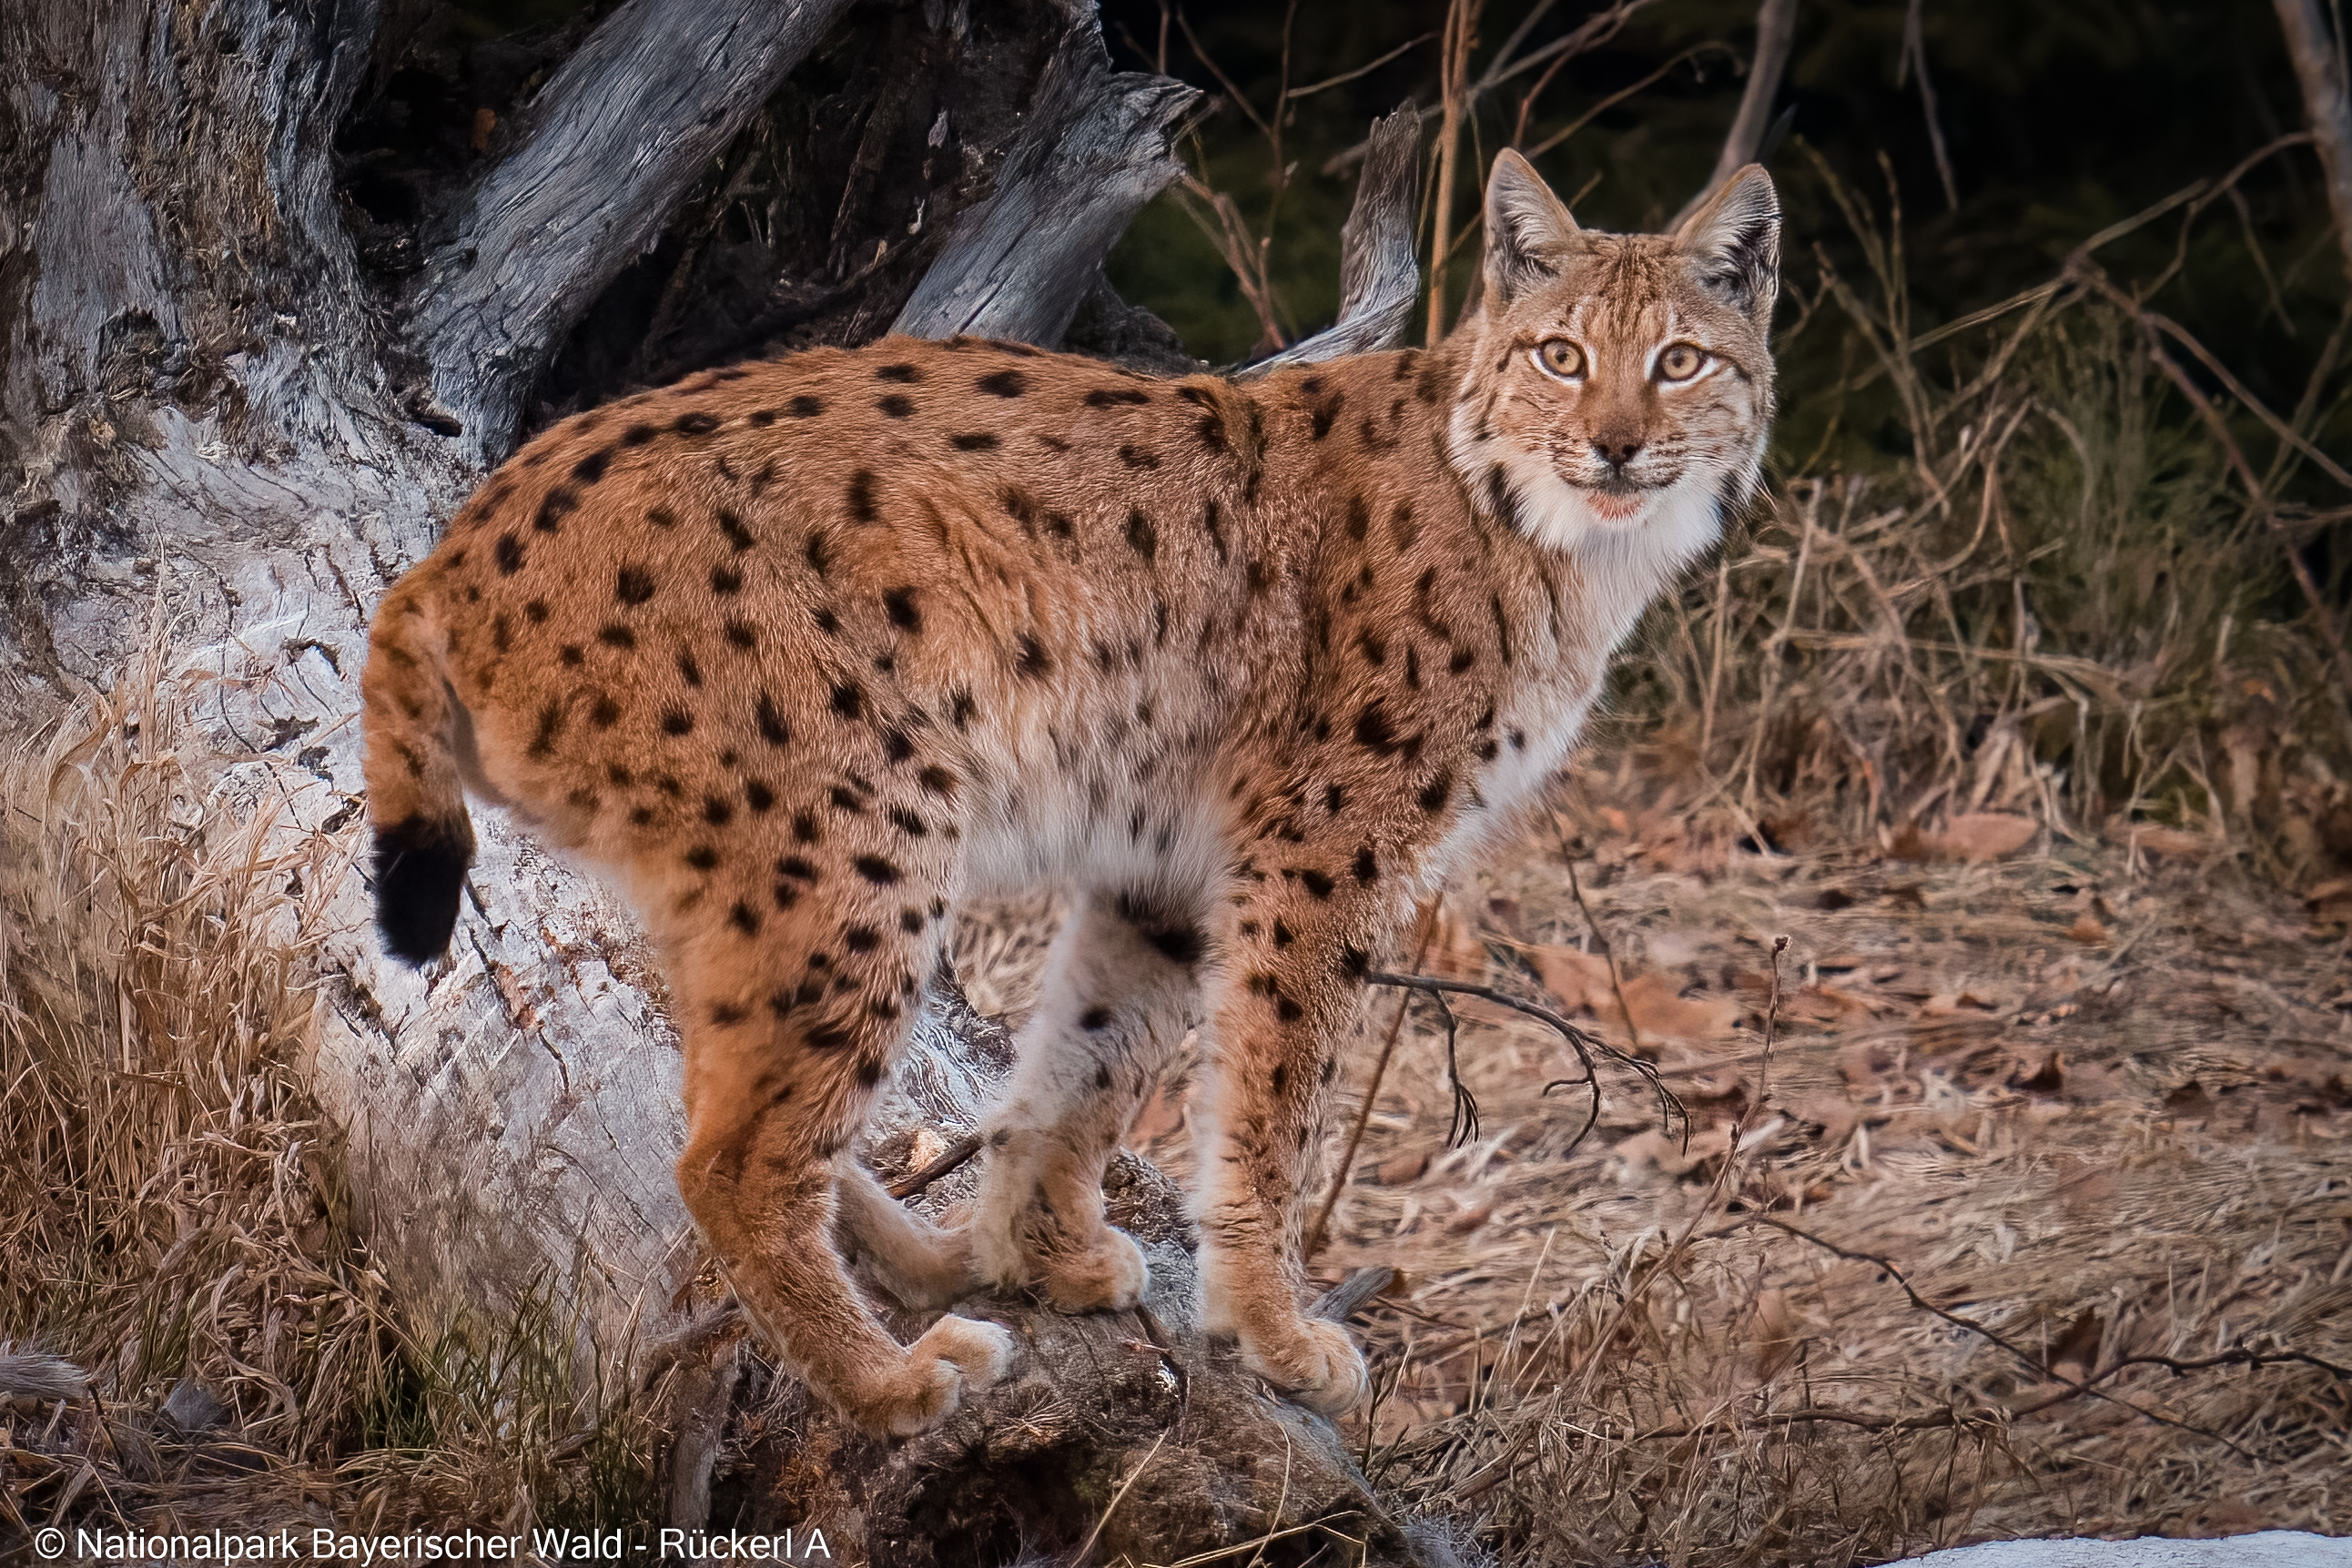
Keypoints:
pixel 617 136
pixel 1776 36
pixel 1379 278
pixel 1096 150
pixel 2319 65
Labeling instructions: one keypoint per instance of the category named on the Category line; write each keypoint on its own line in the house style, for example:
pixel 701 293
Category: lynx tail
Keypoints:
pixel 416 803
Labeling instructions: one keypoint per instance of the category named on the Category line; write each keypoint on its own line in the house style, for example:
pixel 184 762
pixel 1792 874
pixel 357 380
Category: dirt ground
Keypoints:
pixel 2033 1108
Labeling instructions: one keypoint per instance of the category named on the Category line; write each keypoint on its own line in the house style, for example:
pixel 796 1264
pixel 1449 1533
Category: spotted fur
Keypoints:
pixel 809 652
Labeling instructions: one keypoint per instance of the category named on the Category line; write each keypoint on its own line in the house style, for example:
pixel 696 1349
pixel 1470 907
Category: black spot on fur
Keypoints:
pixel 806 406
pixel 420 872
pixel 741 634
pixel 559 503
pixel 860 500
pixel 702 857
pixel 1111 397
pixel 550 729
pixel 1003 383
pixel 773 727
pixel 1033 662
pixel 758 796
pixel 901 374
pixel 961 708
pixel 1317 883
pixel 509 555
pixel 1318 422
pixel 1141 537
pixel 699 423
pixel 688 669
pixel 678 721
pixel 897 746
pixel 938 780
pixel 638 434
pixel 717 812
pixel 826 621
pixel 976 441
pixel 604 713
pixel 849 699
pixel 1439 790
pixel 796 868
pixel 618 637
pixel 899 603
pixel 1368 867
pixel 534 610
pixel 590 468
pixel 733 527
pixel 1137 458
pixel 633 585
pixel 861 938
pixel 898 405
pixel 744 919
pixel 875 869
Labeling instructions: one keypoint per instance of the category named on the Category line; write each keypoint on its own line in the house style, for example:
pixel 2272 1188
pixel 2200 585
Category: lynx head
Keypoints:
pixel 1619 387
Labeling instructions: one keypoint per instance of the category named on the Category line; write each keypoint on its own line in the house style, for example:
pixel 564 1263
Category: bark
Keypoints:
pixel 1379 279
pixel 263 319
pixel 2320 66
pixel 658 91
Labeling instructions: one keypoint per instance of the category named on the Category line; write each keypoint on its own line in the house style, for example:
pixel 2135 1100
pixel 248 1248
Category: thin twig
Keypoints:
pixel 955 1155
pixel 1425 933
pixel 1993 1335
pixel 1585 1044
pixel 1608 953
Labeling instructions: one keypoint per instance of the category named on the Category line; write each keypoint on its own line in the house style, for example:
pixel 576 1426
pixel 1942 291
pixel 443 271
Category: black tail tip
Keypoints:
pixel 420 870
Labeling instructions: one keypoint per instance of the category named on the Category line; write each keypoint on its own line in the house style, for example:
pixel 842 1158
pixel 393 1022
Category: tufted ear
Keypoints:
pixel 1526 227
pixel 1734 241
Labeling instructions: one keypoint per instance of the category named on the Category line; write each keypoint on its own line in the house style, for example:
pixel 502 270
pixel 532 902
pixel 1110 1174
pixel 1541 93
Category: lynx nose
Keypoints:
pixel 1616 449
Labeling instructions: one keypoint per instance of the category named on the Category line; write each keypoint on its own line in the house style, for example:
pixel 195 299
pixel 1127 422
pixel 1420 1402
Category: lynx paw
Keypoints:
pixel 1316 1363
pixel 1109 1276
pixel 956 1357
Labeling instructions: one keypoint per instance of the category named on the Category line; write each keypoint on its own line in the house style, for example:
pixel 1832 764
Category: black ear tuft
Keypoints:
pixel 1734 241
pixel 1526 226
pixel 420 870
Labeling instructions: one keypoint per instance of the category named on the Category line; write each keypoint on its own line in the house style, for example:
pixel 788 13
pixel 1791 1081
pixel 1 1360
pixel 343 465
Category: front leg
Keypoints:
pixel 1293 992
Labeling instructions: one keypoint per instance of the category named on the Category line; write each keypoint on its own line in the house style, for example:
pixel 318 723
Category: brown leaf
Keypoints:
pixel 1972 837
pixel 2153 839
pixel 2087 931
pixel 1978 836
pixel 1577 979
pixel 1659 1009
pixel 1471 1218
pixel 1398 1170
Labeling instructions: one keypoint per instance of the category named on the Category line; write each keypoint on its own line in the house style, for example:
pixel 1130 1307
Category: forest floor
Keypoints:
pixel 2031 1109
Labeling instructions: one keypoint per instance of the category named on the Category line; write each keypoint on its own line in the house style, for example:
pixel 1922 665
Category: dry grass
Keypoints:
pixel 173 1216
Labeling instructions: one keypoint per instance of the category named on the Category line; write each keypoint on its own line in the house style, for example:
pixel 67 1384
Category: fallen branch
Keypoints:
pixel 1585 1044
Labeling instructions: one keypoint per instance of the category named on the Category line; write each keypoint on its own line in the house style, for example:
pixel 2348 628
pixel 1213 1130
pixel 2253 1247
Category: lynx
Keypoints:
pixel 808 651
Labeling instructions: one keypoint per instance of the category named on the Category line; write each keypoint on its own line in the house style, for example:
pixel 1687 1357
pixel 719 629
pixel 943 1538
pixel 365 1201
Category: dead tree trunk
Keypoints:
pixel 277 283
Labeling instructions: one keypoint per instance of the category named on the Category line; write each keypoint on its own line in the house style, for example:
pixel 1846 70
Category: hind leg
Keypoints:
pixel 1118 985
pixel 790 1020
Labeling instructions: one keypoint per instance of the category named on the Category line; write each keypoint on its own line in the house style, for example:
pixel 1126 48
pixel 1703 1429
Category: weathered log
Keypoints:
pixel 1019 262
pixel 615 138
pixel 1379 278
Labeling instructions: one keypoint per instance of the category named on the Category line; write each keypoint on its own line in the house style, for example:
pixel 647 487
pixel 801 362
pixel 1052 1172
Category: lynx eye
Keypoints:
pixel 1560 358
pixel 1680 361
